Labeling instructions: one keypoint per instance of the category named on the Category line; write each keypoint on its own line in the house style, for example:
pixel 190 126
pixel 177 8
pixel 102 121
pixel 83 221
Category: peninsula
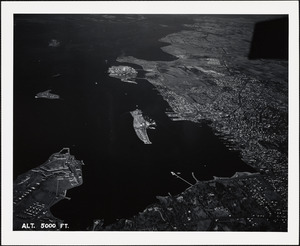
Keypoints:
pixel 37 190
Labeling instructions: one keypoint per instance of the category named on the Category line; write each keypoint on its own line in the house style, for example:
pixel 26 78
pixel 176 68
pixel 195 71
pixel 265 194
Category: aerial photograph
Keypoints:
pixel 150 122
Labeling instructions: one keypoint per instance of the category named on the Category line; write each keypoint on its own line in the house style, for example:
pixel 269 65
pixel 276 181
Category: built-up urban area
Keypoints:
pixel 37 190
pixel 246 104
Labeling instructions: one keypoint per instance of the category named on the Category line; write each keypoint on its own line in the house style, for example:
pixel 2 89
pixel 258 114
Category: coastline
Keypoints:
pixel 225 96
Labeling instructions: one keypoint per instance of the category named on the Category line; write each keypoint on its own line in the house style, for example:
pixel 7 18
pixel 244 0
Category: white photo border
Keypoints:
pixel 10 237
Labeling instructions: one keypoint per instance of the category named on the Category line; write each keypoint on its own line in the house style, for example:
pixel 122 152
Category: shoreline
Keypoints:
pixel 259 149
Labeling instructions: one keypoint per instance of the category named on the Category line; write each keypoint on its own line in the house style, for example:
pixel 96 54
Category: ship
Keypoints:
pixel 37 190
pixel 46 94
pixel 141 125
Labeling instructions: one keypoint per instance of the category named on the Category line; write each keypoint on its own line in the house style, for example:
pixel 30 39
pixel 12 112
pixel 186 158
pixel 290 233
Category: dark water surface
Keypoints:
pixel 122 175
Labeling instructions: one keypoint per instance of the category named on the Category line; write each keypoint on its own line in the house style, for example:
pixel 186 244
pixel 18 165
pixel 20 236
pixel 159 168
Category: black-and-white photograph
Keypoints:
pixel 150 122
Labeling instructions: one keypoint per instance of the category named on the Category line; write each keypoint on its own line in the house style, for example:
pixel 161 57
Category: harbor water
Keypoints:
pixel 121 175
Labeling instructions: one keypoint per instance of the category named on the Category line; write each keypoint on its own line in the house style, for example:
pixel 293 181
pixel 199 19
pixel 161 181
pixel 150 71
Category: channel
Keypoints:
pixel 122 176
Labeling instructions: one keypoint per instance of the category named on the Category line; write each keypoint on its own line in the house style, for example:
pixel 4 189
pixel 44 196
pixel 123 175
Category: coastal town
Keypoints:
pixel 125 73
pixel 240 203
pixel 246 108
pixel 37 190
pixel 209 81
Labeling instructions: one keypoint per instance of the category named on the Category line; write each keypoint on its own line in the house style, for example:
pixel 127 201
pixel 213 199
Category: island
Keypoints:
pixel 124 73
pixel 37 190
pixel 141 125
pixel 46 94
pixel 54 43
pixel 206 77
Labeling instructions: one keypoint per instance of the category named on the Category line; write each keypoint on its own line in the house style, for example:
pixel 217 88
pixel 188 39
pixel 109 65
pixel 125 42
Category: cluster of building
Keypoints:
pixel 37 190
pixel 121 70
pixel 250 117
pixel 246 103
pixel 243 202
pixel 140 125
pixel 46 94
pixel 124 73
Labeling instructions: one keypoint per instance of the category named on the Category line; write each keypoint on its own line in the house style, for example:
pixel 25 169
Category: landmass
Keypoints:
pixel 141 125
pixel 46 94
pixel 245 102
pixel 124 73
pixel 243 202
pixel 54 43
pixel 37 190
